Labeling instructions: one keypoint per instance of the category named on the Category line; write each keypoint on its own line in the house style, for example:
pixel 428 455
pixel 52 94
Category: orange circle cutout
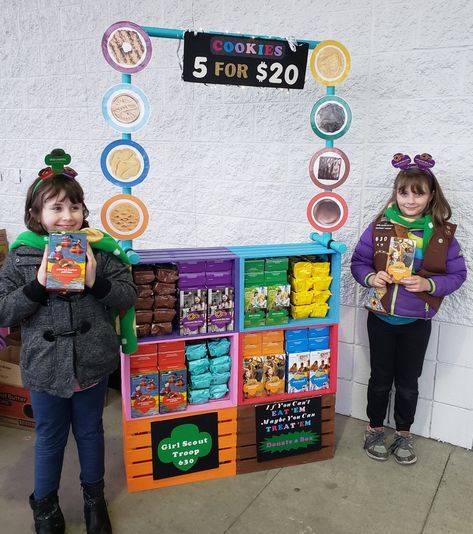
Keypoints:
pixel 124 217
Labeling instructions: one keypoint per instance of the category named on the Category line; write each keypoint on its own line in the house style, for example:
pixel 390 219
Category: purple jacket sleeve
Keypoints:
pixel 362 258
pixel 455 275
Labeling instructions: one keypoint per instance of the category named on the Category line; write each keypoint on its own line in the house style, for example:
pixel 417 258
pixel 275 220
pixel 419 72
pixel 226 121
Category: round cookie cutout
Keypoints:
pixel 126 47
pixel 327 212
pixel 329 168
pixel 124 163
pixel 330 63
pixel 125 107
pixel 330 117
pixel 124 217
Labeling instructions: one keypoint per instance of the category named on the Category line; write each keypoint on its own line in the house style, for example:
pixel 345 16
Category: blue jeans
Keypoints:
pixel 54 416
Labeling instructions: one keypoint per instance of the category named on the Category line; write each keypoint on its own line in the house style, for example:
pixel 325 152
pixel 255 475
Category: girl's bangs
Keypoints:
pixel 416 184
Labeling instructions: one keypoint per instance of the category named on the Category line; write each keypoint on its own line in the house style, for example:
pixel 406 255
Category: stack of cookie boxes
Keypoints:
pixel 266 292
pixel 308 359
pixel 310 281
pixel 206 297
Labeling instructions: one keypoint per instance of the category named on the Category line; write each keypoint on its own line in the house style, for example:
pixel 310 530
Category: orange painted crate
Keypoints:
pixel 138 459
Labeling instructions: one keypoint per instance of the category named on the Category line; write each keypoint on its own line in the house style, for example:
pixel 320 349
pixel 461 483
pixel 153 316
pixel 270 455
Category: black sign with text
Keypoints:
pixel 232 60
pixel 287 428
pixel 184 445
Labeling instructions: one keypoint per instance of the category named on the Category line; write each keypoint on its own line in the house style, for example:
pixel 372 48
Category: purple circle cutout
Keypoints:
pixel 126 47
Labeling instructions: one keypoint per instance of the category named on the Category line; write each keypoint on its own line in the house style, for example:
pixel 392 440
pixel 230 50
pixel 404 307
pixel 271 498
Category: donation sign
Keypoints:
pixel 184 445
pixel 233 60
pixel 288 428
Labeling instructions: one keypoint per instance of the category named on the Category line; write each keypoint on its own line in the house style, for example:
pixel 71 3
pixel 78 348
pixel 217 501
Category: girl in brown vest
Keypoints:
pixel 401 304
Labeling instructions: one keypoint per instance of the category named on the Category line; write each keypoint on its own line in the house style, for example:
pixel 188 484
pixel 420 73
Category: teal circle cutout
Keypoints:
pixel 330 117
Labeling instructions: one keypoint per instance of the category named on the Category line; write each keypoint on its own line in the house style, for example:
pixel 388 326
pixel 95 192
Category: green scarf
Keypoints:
pixel 102 241
pixel 424 223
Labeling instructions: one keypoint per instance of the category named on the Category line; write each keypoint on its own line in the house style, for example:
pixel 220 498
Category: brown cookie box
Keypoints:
pixel 144 303
pixel 143 330
pixel 168 276
pixel 159 329
pixel 144 316
pixel 143 275
pixel 160 288
pixel 164 301
pixel 164 315
pixel 144 291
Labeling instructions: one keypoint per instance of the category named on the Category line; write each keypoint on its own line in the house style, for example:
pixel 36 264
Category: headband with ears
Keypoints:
pixel 423 161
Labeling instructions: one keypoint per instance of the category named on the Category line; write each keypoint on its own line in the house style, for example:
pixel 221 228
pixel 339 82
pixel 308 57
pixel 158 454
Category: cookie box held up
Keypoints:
pixel 66 261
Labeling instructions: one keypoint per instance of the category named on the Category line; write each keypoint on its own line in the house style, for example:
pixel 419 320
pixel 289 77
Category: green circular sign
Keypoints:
pixel 330 117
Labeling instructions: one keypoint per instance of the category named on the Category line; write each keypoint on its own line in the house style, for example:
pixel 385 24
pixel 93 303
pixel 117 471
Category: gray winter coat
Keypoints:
pixel 64 336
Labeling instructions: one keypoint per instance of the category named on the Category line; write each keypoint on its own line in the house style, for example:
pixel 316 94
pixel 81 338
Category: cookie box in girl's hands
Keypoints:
pixel 66 261
pixel 144 393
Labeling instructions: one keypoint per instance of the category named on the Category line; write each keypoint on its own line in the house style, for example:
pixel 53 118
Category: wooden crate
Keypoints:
pixel 138 459
pixel 246 441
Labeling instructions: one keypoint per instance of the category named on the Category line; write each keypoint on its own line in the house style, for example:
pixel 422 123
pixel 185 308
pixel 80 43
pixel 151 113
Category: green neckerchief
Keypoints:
pixel 424 223
pixel 102 241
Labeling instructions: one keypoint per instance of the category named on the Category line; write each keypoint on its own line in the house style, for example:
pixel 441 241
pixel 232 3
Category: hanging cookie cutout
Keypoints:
pixel 330 117
pixel 124 163
pixel 329 168
pixel 124 217
pixel 126 47
pixel 330 63
pixel 327 212
pixel 125 107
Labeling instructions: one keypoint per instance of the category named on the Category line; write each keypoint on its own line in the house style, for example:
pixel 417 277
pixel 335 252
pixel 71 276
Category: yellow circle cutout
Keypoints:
pixel 330 62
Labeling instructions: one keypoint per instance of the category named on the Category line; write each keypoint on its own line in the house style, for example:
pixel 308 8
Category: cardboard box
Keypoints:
pixel 3 246
pixel 144 393
pixel 66 261
pixel 298 372
pixel 275 374
pixel 15 400
pixel 319 370
pixel 173 390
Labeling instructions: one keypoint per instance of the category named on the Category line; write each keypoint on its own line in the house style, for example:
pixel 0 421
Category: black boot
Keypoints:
pixel 48 518
pixel 95 509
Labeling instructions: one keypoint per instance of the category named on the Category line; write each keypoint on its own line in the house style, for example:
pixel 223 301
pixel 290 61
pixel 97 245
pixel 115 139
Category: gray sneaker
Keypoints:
pixel 403 449
pixel 375 445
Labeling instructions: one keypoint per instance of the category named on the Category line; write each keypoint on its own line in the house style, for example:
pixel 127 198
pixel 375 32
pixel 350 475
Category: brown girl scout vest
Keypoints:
pixel 435 254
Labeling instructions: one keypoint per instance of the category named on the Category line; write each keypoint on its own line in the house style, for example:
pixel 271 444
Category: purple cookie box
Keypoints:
pixel 197 266
pixel 190 280
pixel 219 265
pixel 216 278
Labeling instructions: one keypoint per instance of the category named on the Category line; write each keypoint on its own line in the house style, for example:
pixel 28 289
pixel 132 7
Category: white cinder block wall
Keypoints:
pixel 229 165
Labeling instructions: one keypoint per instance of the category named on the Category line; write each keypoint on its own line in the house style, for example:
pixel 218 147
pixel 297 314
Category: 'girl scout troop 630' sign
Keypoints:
pixel 232 60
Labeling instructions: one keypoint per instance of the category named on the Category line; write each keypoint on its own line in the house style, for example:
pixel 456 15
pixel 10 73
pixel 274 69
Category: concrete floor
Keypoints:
pixel 350 494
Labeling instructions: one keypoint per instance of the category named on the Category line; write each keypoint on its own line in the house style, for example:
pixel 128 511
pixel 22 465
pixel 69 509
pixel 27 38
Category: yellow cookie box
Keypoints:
pixel 301 269
pixel 302 297
pixel 309 310
pixel 322 283
pixel 321 268
pixel 301 284
pixel 319 310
